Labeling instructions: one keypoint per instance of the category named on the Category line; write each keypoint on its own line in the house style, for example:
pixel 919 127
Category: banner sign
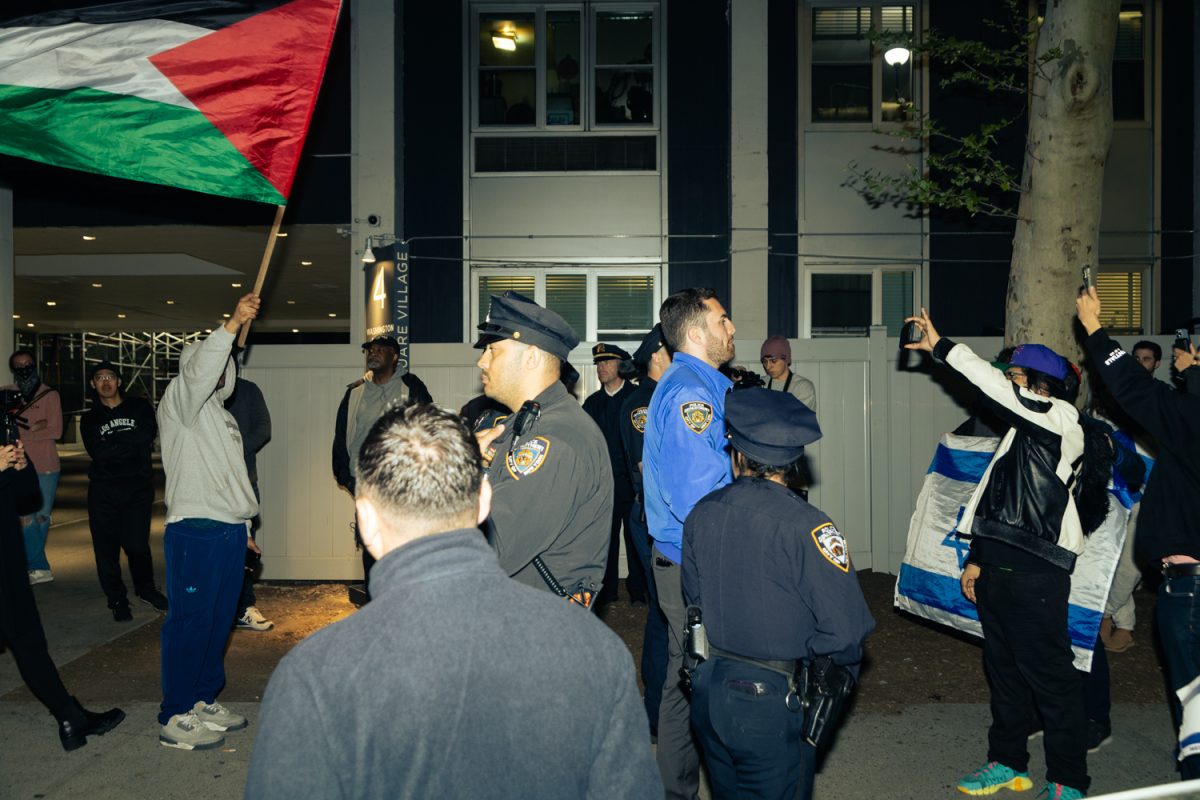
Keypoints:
pixel 928 585
pixel 386 283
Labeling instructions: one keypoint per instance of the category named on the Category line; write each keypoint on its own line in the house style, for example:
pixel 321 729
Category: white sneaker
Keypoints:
pixel 37 576
pixel 254 620
pixel 217 717
pixel 187 732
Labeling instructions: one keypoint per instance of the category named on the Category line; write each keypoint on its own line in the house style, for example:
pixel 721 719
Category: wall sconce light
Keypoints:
pixel 368 256
pixel 504 40
pixel 897 56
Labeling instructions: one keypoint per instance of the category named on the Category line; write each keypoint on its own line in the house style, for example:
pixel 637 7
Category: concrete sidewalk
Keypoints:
pixel 919 752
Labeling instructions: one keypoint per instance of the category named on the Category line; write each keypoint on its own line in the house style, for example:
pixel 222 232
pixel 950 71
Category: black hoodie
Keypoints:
pixel 1167 524
pixel 119 440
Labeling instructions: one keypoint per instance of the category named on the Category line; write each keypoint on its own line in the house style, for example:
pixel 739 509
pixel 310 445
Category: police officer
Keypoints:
pixel 652 358
pixel 604 406
pixel 683 458
pixel 773 578
pixel 547 463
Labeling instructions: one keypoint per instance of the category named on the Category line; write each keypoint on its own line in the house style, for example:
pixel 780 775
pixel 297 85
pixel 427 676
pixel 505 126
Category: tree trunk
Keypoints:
pixel 1070 127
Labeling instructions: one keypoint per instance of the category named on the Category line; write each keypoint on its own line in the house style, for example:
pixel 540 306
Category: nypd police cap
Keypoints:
pixel 608 352
pixel 771 428
pixel 650 345
pixel 514 316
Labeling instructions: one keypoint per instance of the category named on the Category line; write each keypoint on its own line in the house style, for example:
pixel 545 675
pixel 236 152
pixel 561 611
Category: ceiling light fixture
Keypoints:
pixel 236 285
pixel 291 302
pixel 87 237
pixel 281 235
pixel 16 316
pixel 28 324
pixel 306 263
pixel 97 285
pixel 897 56
pixel 170 302
pixel 295 330
pixel 120 316
pixel 52 303
pixel 332 315
pixel 226 316
pixel 504 40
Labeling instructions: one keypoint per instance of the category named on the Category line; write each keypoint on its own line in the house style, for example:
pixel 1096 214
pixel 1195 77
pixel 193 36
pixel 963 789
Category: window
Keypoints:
pixel 847 302
pixel 851 80
pixel 568 87
pixel 1129 65
pixel 601 303
pixel 589 67
pixel 1120 301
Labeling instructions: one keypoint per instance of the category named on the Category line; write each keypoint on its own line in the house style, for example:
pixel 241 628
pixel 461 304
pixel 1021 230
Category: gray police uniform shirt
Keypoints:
pixel 799 387
pixel 552 496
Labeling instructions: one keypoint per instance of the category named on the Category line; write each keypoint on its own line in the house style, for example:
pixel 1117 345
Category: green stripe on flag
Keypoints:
pixel 127 137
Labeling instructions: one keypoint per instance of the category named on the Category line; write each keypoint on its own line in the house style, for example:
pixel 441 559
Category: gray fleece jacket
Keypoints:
pixel 201 445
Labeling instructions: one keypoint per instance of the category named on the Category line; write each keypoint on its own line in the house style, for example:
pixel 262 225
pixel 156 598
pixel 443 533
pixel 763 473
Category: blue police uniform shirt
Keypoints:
pixel 684 454
pixel 773 576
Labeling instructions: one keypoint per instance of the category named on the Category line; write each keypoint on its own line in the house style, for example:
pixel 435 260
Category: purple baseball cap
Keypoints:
pixel 1041 358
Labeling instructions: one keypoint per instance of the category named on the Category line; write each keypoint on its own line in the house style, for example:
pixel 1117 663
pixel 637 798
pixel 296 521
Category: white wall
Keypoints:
pixel 880 426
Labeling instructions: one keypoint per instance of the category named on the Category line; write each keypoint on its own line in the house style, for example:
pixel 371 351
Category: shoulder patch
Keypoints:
pixel 697 415
pixel 528 458
pixel 832 545
pixel 638 418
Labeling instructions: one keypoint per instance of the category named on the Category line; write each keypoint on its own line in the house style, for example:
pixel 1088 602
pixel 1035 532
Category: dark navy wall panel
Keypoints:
pixel 1178 180
pixel 432 166
pixel 969 257
pixel 782 153
pixel 698 144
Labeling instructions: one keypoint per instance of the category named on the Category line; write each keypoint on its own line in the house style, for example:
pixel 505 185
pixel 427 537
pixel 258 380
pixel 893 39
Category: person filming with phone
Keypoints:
pixel 1168 538
pixel 1025 535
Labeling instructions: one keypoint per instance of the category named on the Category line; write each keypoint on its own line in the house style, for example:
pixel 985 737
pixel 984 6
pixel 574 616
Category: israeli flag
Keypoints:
pixel 928 585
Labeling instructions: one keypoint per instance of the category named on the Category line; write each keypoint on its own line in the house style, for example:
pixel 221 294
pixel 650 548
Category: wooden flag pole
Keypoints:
pixel 262 269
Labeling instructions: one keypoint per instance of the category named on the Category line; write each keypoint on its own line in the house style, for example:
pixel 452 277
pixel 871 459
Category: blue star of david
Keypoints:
pixel 961 548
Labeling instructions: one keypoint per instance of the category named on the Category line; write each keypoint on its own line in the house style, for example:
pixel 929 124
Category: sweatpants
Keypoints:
pixel 204 577
pixel 119 516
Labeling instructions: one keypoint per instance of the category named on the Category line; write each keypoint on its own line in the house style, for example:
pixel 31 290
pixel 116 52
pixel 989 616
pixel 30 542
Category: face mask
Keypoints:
pixel 27 380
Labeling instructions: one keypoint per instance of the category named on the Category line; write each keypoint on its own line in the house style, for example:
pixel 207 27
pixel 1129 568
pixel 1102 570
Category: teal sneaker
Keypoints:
pixel 994 776
pixel 1056 791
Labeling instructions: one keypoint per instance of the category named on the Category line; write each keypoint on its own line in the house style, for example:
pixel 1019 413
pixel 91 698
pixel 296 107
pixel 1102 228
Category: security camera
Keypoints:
pixel 373 220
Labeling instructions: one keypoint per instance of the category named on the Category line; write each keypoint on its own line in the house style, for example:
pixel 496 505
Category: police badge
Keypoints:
pixel 832 545
pixel 638 418
pixel 528 457
pixel 697 415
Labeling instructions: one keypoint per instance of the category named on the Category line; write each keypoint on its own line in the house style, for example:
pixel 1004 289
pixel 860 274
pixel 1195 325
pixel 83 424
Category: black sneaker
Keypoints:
pixel 121 612
pixel 1098 735
pixel 153 598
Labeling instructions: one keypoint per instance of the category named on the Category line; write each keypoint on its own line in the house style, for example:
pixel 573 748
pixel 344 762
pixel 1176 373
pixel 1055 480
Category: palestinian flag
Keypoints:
pixel 213 96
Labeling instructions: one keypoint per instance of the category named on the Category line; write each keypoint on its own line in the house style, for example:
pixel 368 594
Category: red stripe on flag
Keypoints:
pixel 257 81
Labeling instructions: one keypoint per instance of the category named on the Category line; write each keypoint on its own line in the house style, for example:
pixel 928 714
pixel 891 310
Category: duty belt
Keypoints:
pixel 1185 570
pixel 787 668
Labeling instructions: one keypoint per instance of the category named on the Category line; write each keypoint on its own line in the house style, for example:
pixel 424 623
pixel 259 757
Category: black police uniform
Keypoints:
pixel 773 577
pixel 605 409
pixel 552 485
pixel 633 430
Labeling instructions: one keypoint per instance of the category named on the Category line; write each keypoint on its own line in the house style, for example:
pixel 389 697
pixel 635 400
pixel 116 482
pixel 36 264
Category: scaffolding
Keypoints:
pixel 147 360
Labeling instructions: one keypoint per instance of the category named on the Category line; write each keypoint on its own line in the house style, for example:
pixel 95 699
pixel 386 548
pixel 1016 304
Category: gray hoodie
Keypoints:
pixel 201 445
